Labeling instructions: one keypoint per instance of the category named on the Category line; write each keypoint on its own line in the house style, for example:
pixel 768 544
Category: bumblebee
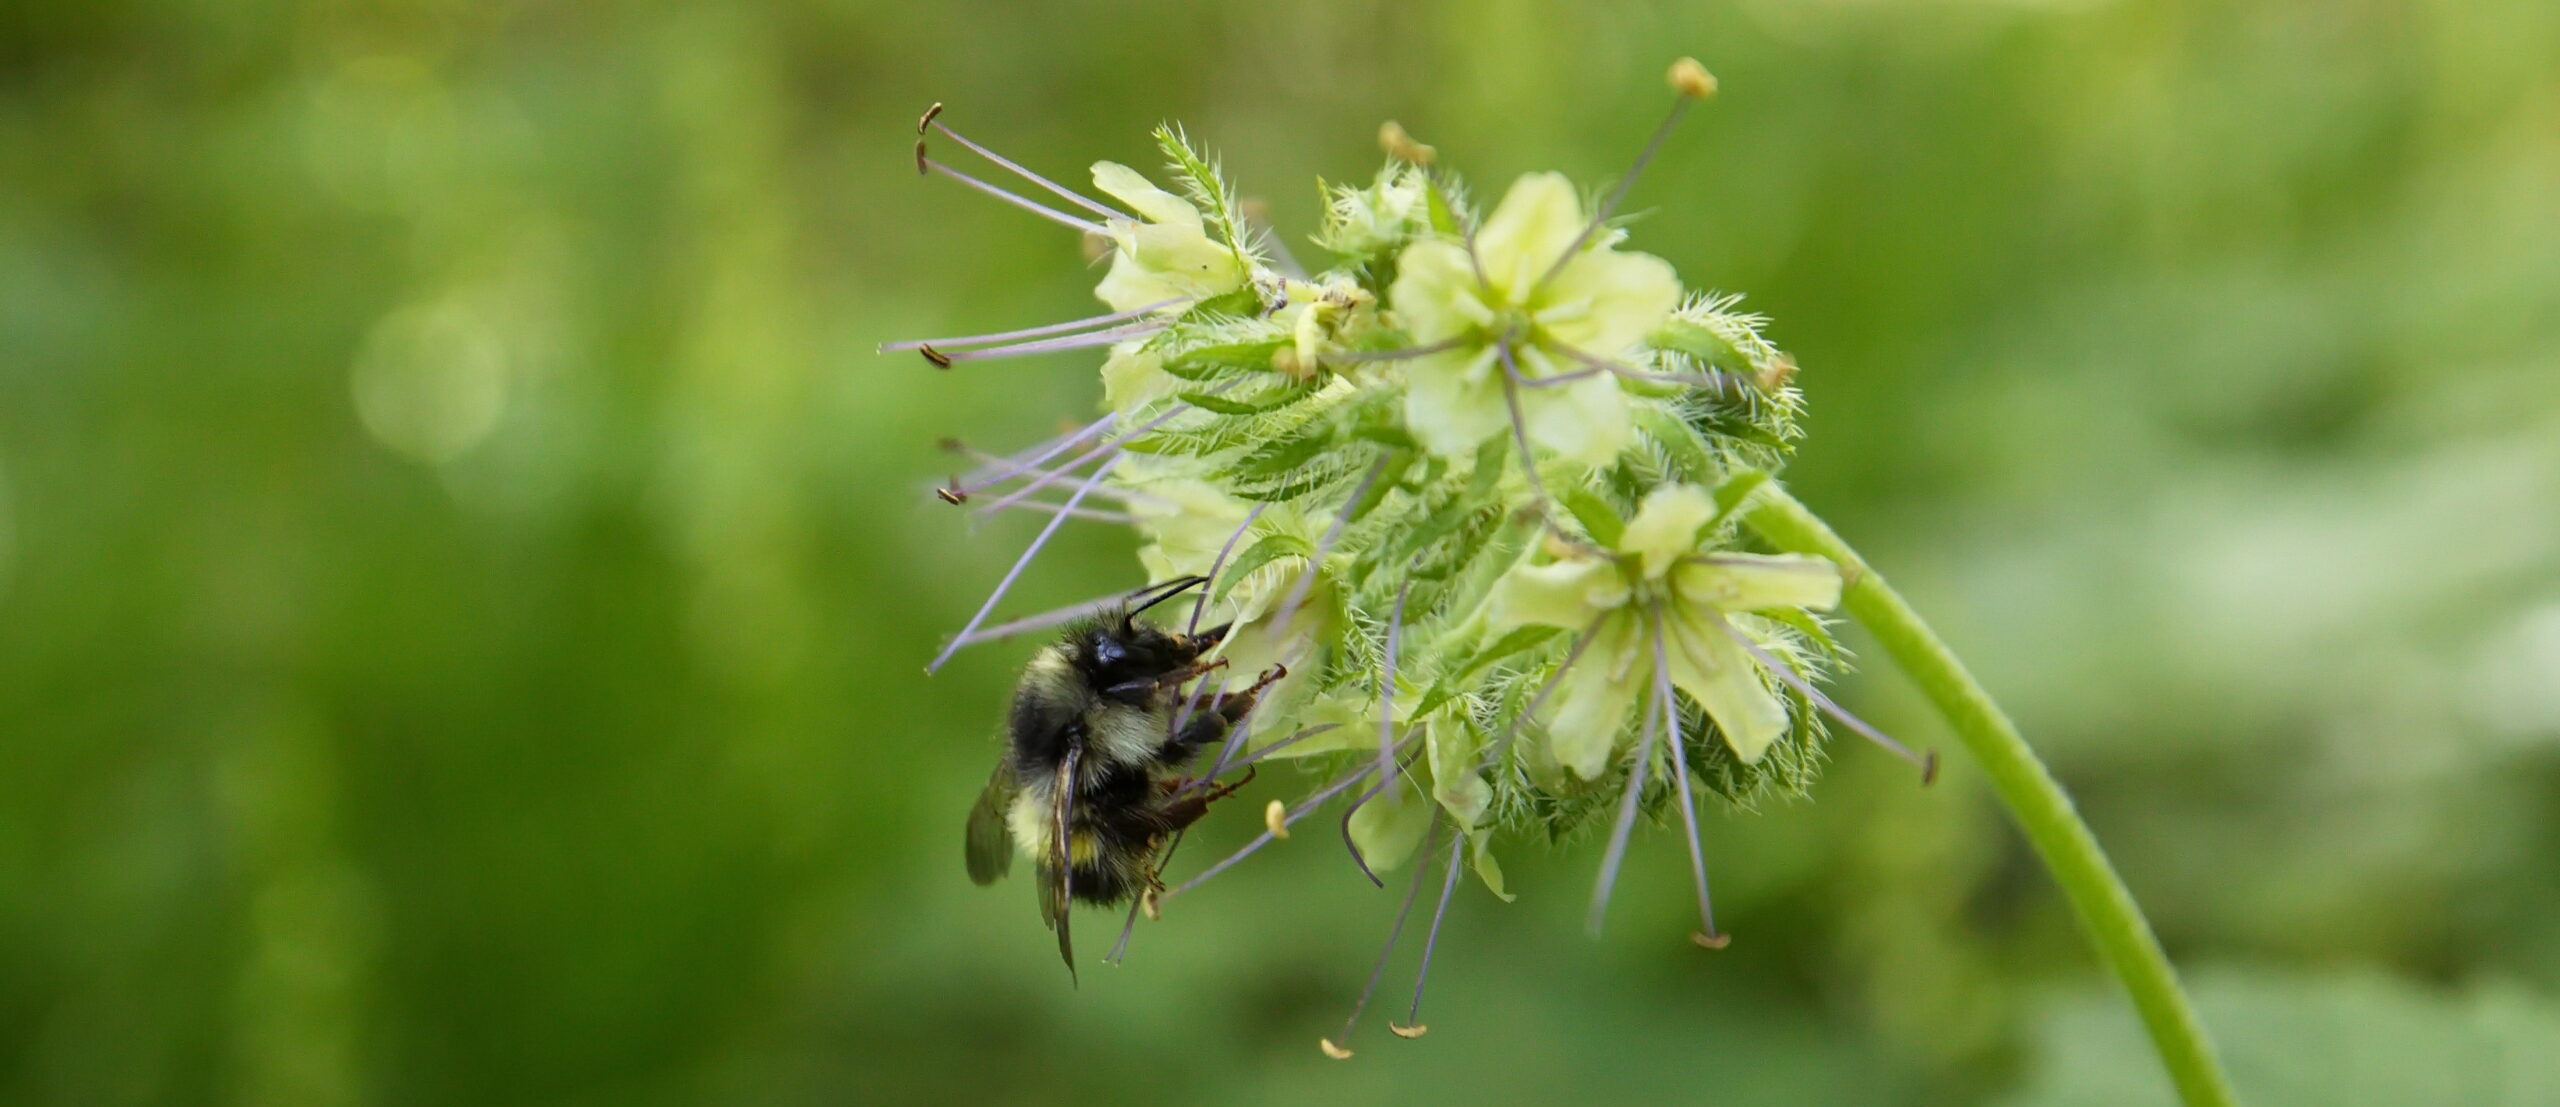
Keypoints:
pixel 1091 785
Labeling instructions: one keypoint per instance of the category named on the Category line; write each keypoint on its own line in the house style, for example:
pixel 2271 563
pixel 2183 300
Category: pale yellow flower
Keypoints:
pixel 1658 581
pixel 1599 304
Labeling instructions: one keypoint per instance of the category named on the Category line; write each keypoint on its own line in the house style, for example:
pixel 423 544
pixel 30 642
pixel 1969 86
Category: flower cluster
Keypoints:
pixel 1476 483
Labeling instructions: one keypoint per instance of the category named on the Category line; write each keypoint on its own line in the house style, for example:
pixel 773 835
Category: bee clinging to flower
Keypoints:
pixel 1090 785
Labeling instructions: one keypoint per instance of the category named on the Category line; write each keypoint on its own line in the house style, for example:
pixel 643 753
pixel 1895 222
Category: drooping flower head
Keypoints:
pixel 1472 484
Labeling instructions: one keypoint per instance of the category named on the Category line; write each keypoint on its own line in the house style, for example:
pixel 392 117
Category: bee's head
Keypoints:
pixel 1117 650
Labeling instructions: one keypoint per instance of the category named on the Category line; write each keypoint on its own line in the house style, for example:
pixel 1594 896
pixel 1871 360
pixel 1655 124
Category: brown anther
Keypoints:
pixel 1275 819
pixel 953 494
pixel 924 168
pixel 939 359
pixel 1408 1033
pixel 1710 941
pixel 1690 79
pixel 926 120
pixel 1400 144
pixel 1334 1051
pixel 952 445
pixel 1928 768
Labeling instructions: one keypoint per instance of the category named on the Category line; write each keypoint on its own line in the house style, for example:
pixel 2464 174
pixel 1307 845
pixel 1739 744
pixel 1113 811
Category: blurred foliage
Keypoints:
pixel 464 571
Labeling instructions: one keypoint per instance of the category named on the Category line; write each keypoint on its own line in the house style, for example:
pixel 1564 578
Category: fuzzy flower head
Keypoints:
pixel 1461 496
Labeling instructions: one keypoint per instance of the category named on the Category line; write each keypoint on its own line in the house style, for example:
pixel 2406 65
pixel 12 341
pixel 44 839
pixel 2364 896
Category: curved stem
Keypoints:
pixel 2042 809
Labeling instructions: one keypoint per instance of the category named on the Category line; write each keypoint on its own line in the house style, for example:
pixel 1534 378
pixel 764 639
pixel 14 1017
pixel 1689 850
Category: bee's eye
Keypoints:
pixel 1108 652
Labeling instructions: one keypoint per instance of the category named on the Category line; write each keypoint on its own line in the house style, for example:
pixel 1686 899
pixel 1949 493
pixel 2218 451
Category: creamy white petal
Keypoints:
pixel 1753 582
pixel 1435 295
pixel 1450 405
pixel 1528 231
pixel 1586 420
pixel 1609 302
pixel 1566 594
pixel 1665 528
pixel 1591 703
pixel 1142 196
pixel 1713 669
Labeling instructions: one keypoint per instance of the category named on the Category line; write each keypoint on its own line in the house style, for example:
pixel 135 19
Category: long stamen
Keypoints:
pixel 1689 92
pixel 1399 355
pixel 1068 327
pixel 1519 423
pixel 1061 191
pixel 1707 936
pixel 1618 835
pixel 925 164
pixel 1237 733
pixel 1581 642
pixel 1112 448
pixel 1257 756
pixel 1191 703
pixel 1215 567
pixel 1086 341
pixel 1287 820
pixel 1717 380
pixel 1288 609
pixel 1928 763
pixel 1122 518
pixel 1413 890
pixel 1011 469
pixel 1386 731
pixel 1043 621
pixel 1019 564
pixel 1555 381
pixel 1362 800
pixel 1412 1026
pixel 1387 681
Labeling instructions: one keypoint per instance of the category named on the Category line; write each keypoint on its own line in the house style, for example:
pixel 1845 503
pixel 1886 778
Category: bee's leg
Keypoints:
pixel 1183 812
pixel 1231 706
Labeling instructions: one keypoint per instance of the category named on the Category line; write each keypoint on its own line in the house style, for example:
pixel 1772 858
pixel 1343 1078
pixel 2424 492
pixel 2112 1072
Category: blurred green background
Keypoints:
pixel 465 574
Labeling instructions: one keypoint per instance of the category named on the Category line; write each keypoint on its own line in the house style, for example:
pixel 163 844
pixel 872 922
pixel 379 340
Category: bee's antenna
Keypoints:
pixel 1158 593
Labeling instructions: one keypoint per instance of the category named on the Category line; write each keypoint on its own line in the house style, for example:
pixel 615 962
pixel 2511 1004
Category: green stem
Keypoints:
pixel 2107 911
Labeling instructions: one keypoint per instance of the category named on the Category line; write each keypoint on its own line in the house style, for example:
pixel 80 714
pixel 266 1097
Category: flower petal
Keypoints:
pixel 1435 295
pixel 1133 375
pixel 1586 420
pixel 1151 203
pixel 1717 673
pixel 1754 582
pixel 1566 594
pixel 1451 406
pixel 1453 747
pixel 1607 302
pixel 1528 231
pixel 1665 528
pixel 1390 825
pixel 1592 701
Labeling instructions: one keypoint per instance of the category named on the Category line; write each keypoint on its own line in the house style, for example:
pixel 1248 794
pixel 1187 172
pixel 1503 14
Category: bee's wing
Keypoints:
pixel 990 845
pixel 1057 890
